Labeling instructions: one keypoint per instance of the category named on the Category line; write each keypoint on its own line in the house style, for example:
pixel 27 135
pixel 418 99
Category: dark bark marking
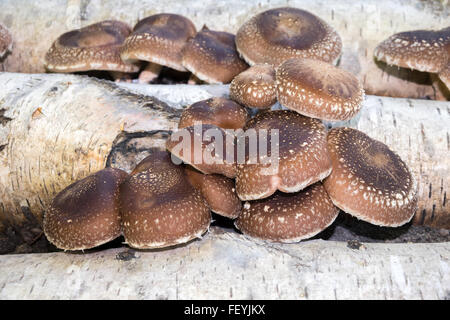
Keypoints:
pixel 4 119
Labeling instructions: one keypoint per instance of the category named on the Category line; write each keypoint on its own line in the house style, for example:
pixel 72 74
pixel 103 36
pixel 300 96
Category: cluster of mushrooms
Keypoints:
pixel 161 40
pixel 319 172
pixel 172 41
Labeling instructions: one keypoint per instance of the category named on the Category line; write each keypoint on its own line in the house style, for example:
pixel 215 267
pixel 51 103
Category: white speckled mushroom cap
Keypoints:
pixel 288 217
pixel 86 213
pixel 218 191
pixel 318 89
pixel 369 181
pixel 159 207
pixel 94 47
pixel 196 145
pixel 423 50
pixel 219 111
pixel 302 156
pixel 255 87
pixel 212 56
pixel 5 41
pixel 159 39
pixel 276 35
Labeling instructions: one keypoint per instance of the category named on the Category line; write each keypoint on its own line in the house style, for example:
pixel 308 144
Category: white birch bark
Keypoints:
pixel 225 265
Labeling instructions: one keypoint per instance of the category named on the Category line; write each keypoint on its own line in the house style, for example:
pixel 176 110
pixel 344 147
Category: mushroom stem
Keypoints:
pixel 150 72
pixel 120 76
pixel 444 76
pixel 193 79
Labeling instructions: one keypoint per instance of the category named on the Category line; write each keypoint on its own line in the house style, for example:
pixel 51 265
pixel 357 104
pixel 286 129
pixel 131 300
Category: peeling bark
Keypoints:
pixel 361 24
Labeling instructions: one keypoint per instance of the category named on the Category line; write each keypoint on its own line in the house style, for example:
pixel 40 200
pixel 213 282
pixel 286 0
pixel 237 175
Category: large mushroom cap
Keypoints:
pixel 368 180
pixel 289 217
pixel 318 89
pixel 212 56
pixel 5 41
pixel 159 39
pixel 302 155
pixel 255 87
pixel 276 35
pixel 218 191
pixel 95 47
pixel 86 213
pixel 423 50
pixel 208 148
pixel 222 112
pixel 158 205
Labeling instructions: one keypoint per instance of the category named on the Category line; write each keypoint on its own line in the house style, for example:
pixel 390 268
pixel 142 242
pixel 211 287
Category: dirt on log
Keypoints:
pixel 361 24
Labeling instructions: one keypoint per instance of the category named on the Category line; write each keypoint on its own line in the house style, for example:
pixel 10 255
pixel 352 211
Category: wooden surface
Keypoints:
pixel 226 265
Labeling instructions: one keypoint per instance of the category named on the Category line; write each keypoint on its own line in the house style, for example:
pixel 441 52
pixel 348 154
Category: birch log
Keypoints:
pixel 361 24
pixel 56 129
pixel 225 265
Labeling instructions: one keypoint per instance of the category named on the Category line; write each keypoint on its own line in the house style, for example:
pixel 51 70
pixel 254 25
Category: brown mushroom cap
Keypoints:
pixel 95 47
pixel 159 207
pixel 222 112
pixel 5 41
pixel 368 180
pixel 288 217
pixel 302 156
pixel 276 35
pixel 86 213
pixel 159 39
pixel 212 56
pixel 318 89
pixel 423 50
pixel 218 191
pixel 255 87
pixel 203 156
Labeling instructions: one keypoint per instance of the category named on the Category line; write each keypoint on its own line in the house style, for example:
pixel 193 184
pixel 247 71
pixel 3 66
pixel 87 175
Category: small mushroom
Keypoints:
pixel 86 213
pixel 423 50
pixel 318 89
pixel 159 206
pixel 288 217
pixel 222 112
pixel 218 191
pixel 212 57
pixel 255 87
pixel 276 35
pixel 5 41
pixel 208 148
pixel 95 47
pixel 369 181
pixel 302 155
pixel 159 40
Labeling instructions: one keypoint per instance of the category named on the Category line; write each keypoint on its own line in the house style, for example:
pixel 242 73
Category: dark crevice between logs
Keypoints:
pixel 166 76
pixel 129 148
